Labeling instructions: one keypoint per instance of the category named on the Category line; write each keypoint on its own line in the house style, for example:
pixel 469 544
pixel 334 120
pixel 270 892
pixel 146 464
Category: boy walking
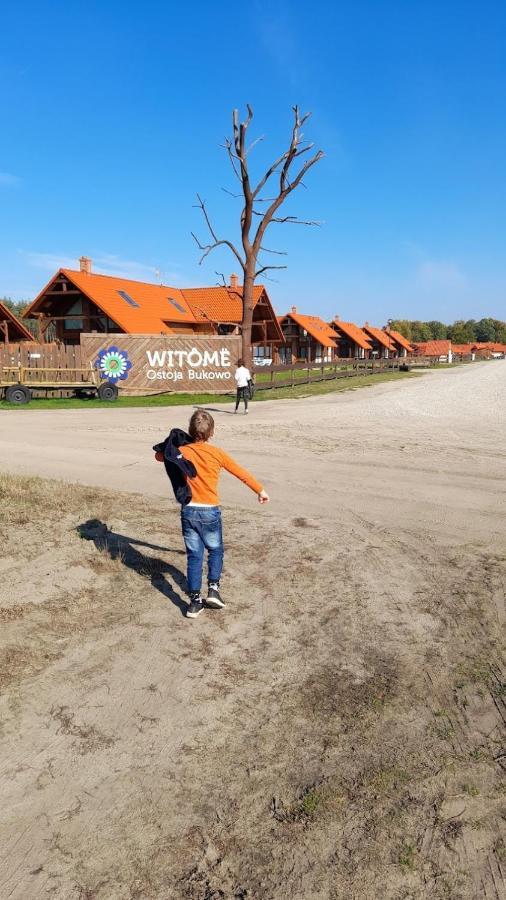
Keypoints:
pixel 201 517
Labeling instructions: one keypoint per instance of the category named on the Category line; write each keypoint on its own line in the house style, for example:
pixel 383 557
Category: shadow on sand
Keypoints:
pixel 119 546
pixel 216 409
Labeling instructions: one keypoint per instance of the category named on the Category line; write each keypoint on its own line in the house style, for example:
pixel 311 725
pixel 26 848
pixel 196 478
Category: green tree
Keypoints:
pixel 420 331
pixel 16 306
pixel 438 330
pixel 403 326
pixel 485 330
pixel 500 331
pixel 458 332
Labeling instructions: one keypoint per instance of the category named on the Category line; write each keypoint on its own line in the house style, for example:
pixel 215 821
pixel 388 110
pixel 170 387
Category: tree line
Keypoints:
pixel 460 332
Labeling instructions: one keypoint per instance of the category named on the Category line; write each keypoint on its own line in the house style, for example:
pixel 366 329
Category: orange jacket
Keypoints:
pixel 209 461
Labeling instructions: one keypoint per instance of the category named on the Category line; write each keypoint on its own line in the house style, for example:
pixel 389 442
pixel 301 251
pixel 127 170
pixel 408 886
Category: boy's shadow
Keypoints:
pixel 119 546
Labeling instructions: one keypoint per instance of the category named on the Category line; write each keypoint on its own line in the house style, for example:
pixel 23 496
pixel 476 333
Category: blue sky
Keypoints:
pixel 113 115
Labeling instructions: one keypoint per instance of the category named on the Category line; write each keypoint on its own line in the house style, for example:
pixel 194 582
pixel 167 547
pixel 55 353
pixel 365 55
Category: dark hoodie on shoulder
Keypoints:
pixel 176 466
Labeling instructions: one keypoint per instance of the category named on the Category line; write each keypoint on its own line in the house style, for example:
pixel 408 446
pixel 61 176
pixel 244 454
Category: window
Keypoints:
pixel 128 299
pixel 176 305
pixel 74 324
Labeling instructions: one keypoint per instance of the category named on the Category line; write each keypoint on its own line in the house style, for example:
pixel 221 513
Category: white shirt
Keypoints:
pixel 242 376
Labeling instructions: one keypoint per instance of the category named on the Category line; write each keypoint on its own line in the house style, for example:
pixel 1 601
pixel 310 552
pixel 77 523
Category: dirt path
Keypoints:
pixel 336 733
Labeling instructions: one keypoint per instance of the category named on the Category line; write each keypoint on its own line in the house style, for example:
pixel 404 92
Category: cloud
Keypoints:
pixel 104 264
pixel 8 180
pixel 441 273
pixel 278 38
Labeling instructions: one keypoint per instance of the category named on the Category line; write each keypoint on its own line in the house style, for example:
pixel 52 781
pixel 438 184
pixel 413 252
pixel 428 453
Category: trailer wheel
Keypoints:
pixel 18 394
pixel 108 392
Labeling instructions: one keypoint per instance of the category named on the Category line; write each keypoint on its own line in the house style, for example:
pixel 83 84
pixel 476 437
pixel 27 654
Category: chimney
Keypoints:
pixel 234 281
pixel 294 309
pixel 85 264
pixel 337 317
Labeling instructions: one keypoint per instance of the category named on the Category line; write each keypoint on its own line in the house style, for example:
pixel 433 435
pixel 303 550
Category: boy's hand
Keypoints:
pixel 159 456
pixel 263 497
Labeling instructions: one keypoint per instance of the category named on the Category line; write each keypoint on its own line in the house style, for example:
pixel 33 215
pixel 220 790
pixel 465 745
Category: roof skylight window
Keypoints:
pixel 128 299
pixel 176 305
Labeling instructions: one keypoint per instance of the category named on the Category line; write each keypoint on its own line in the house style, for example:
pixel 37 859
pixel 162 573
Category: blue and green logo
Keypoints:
pixel 113 364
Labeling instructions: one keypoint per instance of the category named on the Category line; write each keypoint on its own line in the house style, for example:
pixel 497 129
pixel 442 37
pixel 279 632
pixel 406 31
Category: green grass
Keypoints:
pixel 281 393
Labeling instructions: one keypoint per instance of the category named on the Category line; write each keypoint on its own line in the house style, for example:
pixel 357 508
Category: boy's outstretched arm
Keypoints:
pixel 243 475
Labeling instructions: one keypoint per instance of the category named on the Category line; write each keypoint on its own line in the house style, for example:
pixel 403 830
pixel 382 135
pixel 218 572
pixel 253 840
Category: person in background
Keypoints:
pixel 242 380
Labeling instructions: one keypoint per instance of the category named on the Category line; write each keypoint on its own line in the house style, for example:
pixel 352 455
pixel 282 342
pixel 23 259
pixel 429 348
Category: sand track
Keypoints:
pixel 337 733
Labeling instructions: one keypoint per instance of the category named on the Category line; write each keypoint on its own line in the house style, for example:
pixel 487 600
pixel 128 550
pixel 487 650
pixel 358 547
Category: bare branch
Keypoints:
pixel 268 174
pixel 232 157
pixel 290 220
pixel 265 269
pixel 254 143
pixel 278 252
pixel 216 241
pixel 223 282
pixel 235 196
pixel 208 247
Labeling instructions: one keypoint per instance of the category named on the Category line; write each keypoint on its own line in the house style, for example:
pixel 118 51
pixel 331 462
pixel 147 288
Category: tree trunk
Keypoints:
pixel 247 315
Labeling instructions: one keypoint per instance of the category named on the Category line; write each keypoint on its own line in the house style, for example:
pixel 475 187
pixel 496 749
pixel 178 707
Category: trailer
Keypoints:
pixel 18 384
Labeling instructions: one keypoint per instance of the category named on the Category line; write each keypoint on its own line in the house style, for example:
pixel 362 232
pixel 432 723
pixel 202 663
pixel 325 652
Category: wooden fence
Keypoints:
pixel 57 356
pixel 289 375
pixel 42 356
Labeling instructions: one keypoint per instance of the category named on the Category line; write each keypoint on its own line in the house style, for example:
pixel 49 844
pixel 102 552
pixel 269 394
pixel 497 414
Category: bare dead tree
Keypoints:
pixel 252 235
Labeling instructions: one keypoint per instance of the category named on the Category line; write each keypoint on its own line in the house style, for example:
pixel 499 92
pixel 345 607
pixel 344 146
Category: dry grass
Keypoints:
pixel 326 752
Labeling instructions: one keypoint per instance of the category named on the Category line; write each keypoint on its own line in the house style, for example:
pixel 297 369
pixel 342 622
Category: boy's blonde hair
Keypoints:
pixel 201 426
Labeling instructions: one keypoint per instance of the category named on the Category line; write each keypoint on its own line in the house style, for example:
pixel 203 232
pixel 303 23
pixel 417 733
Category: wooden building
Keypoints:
pixel 352 341
pixel 307 339
pixel 12 331
pixel 80 301
pixel 382 347
pixel 401 344
pixel 441 351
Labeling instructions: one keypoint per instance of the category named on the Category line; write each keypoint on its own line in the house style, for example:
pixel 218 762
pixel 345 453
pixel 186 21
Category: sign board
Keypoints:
pixel 154 364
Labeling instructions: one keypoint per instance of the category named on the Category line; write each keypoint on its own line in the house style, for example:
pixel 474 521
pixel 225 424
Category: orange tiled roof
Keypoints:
pixel 432 348
pixel 154 305
pixel 316 327
pixel 462 348
pixel 400 339
pixel 16 328
pixel 220 304
pixel 380 336
pixel 352 331
pixel 489 345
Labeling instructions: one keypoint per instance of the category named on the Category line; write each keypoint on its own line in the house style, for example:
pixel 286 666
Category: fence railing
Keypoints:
pixel 28 354
pixel 291 374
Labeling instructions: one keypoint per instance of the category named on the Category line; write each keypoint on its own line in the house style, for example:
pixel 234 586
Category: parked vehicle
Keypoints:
pixel 18 384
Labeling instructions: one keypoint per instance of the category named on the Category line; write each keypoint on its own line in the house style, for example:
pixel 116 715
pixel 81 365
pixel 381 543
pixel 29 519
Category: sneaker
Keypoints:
pixel 195 606
pixel 213 598
pixel 245 412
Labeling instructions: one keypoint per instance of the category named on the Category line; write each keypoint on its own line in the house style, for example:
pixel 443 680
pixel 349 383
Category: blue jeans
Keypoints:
pixel 202 531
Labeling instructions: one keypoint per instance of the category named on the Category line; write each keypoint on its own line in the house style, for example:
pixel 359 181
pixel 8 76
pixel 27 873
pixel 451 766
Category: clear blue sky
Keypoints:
pixel 113 115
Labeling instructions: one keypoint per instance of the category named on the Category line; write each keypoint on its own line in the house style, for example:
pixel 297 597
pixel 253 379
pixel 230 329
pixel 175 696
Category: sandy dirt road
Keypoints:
pixel 337 732
pixel 437 442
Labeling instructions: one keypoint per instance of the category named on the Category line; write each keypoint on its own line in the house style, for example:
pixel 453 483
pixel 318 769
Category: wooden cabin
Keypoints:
pixel 12 331
pixel 382 347
pixel 76 302
pixel 400 343
pixel 352 342
pixel 307 339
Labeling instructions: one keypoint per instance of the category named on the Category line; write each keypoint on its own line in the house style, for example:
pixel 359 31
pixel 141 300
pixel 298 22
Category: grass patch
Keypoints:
pixel 407 856
pixel 299 391
pixel 303 809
